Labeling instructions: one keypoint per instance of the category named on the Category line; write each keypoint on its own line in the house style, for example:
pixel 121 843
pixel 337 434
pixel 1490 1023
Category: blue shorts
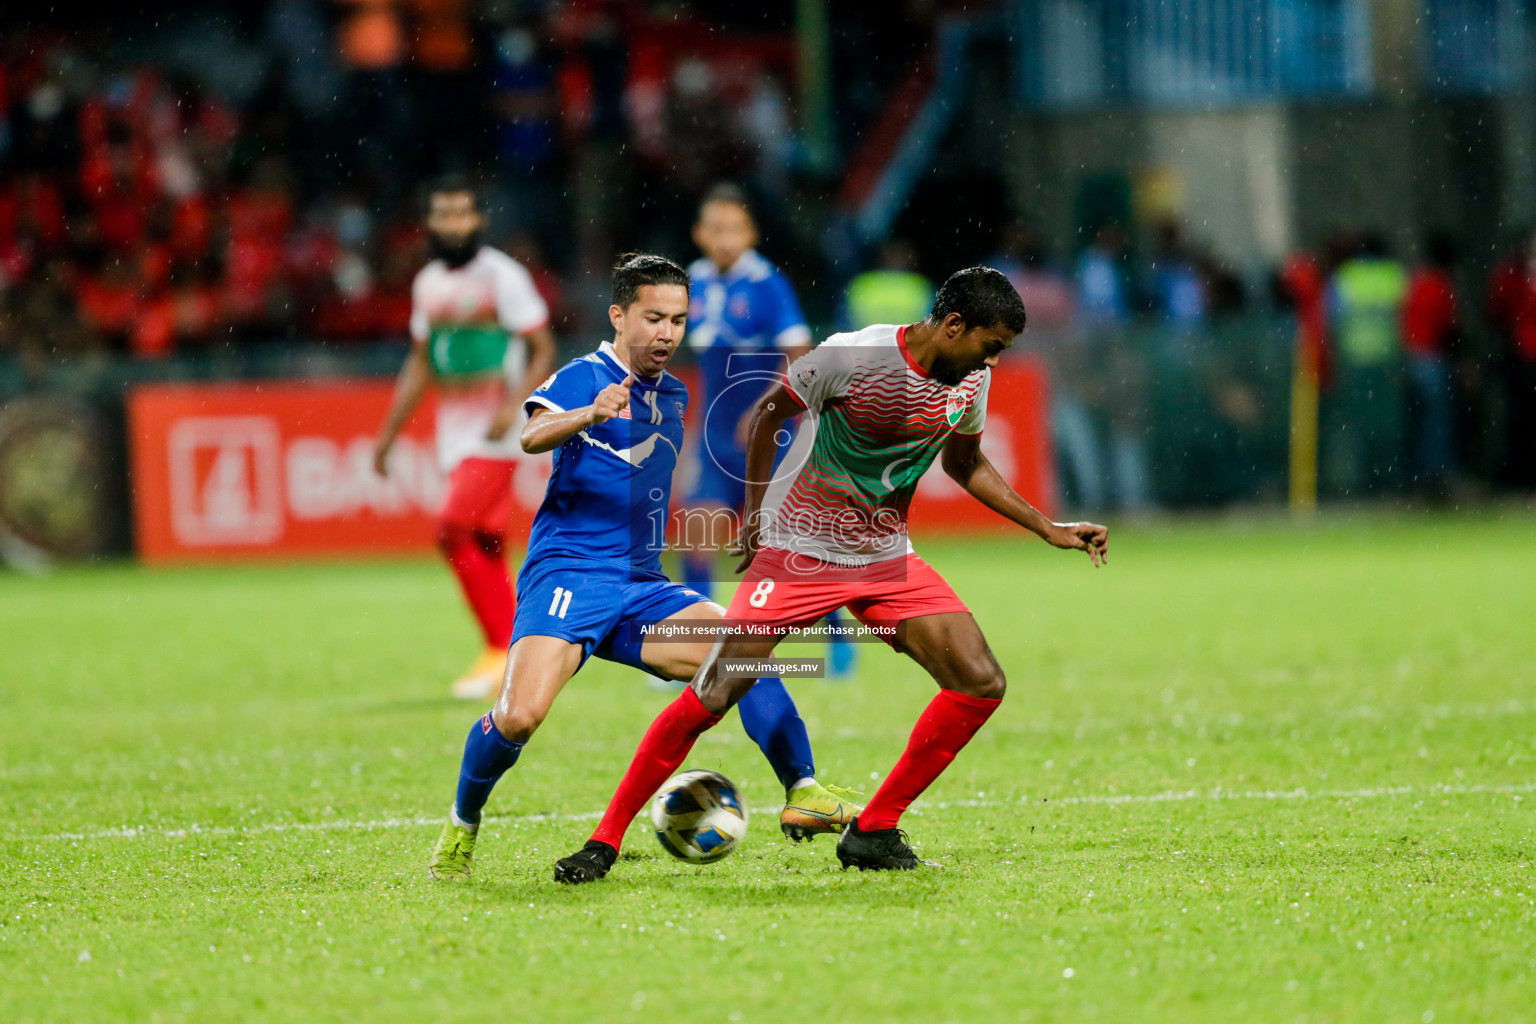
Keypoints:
pixel 592 603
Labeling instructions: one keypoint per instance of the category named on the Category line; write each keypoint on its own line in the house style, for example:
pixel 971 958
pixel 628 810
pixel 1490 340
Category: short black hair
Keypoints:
pixel 453 184
pixel 983 297
pixel 635 270
pixel 727 192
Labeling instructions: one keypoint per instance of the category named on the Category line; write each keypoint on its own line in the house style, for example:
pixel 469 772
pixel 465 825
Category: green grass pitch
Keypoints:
pixel 1248 772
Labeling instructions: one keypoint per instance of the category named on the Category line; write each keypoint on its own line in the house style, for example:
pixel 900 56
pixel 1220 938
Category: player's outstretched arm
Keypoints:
pixel 967 466
pixel 541 363
pixel 547 430
pixel 770 414
pixel 412 383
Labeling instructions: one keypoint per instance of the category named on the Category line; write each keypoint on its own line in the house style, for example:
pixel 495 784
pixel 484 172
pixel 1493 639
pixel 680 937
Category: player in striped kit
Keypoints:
pixel 745 327
pixel 829 529
pixel 480 332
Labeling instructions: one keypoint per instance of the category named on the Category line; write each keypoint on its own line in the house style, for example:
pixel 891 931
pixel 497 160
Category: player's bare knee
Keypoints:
pixel 720 693
pixel 713 692
pixel 980 677
pixel 679 669
pixel 685 663
pixel 517 724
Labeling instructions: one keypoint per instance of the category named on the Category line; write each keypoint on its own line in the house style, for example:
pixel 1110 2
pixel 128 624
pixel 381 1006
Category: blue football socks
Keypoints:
pixel 772 720
pixel 487 756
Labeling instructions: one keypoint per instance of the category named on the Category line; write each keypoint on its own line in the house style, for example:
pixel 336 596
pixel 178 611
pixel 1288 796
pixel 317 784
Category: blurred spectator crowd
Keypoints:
pixel 1167 384
pixel 141 213
pixel 153 204
pixel 1427 369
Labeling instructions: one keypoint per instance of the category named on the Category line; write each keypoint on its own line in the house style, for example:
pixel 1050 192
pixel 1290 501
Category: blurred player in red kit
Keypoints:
pixel 480 332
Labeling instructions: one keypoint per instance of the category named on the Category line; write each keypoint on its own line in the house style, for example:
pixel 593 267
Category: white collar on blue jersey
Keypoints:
pixel 749 265
pixel 607 349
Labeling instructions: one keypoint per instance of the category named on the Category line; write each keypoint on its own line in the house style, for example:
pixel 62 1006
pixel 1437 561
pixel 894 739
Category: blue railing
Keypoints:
pixel 1082 53
pixel 1477 46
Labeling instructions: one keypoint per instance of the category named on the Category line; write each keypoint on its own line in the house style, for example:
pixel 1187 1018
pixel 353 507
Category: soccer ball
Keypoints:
pixel 699 816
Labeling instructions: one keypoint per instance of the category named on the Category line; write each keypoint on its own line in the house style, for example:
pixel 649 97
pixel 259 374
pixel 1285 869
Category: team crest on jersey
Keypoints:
pixel 806 376
pixel 740 308
pixel 954 408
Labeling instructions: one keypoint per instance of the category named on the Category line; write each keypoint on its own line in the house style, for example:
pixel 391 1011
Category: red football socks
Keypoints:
pixel 476 560
pixel 666 743
pixel 945 726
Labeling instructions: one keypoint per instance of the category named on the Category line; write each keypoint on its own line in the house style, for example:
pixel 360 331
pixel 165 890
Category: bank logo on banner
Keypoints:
pixel 225 484
pixel 333 478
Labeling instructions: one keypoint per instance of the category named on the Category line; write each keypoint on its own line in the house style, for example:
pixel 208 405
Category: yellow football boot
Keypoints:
pixel 816 809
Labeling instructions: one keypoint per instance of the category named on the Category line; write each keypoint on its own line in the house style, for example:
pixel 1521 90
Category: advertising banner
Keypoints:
pixel 284 469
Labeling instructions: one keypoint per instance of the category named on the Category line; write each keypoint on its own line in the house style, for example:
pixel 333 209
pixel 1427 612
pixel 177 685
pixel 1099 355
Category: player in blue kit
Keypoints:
pixel 744 329
pixel 592 577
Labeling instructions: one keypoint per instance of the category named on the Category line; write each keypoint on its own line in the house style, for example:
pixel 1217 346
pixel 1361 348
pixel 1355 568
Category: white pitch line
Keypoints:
pixel 1299 793
pixel 380 825
pixel 1167 796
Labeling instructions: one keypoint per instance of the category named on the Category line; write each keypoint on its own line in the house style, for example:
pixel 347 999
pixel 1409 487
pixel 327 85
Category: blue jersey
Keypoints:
pixel 739 323
pixel 611 484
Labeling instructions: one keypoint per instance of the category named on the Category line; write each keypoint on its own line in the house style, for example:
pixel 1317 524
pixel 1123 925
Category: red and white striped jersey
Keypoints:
pixel 874 422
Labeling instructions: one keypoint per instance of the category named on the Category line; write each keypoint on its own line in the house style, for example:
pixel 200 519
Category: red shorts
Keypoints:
pixel 791 590
pixel 479 495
